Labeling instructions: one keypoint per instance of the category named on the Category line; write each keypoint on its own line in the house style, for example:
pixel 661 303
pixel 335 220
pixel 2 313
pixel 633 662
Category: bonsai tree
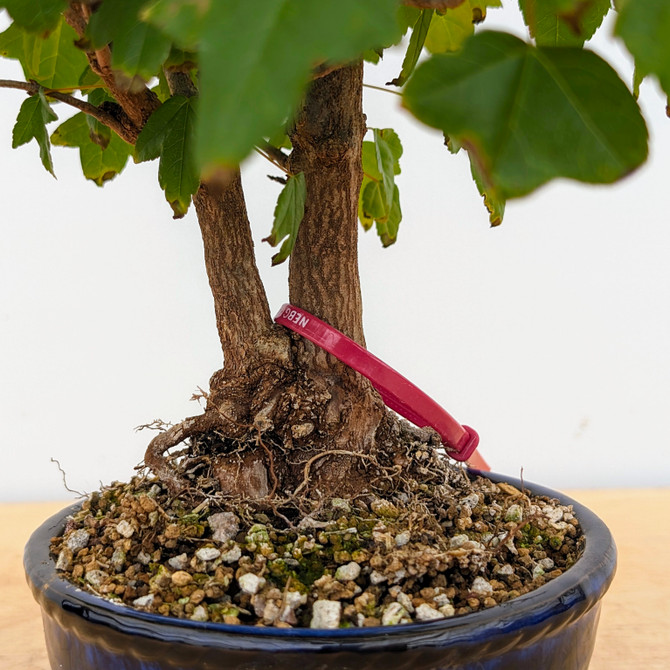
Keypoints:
pixel 199 86
pixel 287 428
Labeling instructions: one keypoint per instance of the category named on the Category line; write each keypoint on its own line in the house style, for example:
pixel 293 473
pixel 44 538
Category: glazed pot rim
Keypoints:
pixel 564 599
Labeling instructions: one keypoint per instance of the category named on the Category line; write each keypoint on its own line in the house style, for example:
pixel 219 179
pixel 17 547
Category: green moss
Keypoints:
pixel 529 535
pixel 302 574
pixel 556 542
pixel 187 519
pixel 223 609
pixel 258 534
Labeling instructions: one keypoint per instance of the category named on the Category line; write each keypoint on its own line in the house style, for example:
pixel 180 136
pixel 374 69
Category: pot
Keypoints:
pixel 551 628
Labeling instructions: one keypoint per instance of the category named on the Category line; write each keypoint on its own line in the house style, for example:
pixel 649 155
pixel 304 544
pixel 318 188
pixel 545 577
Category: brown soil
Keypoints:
pixel 438 545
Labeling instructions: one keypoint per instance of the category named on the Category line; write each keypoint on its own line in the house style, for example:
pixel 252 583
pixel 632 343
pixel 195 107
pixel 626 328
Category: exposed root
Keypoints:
pixel 333 452
pixel 273 474
pixel 155 459
pixel 64 476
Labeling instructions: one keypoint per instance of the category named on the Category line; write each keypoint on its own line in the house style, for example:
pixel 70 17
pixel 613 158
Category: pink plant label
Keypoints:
pixel 397 392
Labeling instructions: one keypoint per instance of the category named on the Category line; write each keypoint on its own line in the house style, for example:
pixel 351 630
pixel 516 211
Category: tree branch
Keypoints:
pixel 180 83
pixel 137 103
pixel 101 115
pixel 276 156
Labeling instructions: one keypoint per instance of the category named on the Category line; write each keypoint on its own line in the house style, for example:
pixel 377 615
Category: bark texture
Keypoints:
pixel 327 139
pixel 309 423
pixel 240 304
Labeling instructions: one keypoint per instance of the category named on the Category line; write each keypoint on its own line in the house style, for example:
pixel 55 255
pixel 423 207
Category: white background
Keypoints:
pixel 550 334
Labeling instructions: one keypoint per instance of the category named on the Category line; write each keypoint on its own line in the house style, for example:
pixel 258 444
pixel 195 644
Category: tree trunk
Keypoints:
pixel 254 349
pixel 327 140
pixel 320 418
pixel 240 304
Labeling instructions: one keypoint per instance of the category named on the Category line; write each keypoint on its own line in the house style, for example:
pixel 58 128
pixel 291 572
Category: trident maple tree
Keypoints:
pixel 200 85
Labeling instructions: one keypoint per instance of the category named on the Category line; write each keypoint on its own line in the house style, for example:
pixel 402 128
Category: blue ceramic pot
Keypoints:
pixel 551 628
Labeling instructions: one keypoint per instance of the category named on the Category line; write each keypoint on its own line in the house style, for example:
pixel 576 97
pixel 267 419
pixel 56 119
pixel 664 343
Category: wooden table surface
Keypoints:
pixel 634 627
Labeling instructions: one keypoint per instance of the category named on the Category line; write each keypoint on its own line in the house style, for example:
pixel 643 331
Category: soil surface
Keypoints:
pixel 453 546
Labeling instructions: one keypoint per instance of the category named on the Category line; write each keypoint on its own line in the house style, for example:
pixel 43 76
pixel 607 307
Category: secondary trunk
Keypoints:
pixel 240 304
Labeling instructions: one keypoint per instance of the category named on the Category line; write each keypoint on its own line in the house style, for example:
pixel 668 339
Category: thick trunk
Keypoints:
pixel 323 276
pixel 327 139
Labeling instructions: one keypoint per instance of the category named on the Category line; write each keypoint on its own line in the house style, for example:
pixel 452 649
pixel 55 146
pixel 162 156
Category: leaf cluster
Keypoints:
pixel 379 200
pixel 525 112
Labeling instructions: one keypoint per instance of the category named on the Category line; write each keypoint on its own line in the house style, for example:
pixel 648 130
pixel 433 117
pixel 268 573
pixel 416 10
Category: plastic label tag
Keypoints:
pixel 396 391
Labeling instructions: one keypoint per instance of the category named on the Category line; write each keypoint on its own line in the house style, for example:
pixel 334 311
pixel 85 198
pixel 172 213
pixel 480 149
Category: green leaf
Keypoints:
pixel 98 164
pixel 494 205
pixel 407 17
pixel 391 138
pixel 178 58
pixel 289 213
pixel 644 26
pixel 388 229
pixel 35 16
pixel 386 165
pixel 183 20
pixel 529 114
pixel 448 31
pixel 374 200
pixel 11 43
pixel 372 56
pixel 415 47
pixel 169 133
pixel 31 123
pixel 162 88
pixel 259 57
pixel 369 161
pixel 54 62
pixel 150 140
pixel 379 199
pixel 563 22
pixel 366 219
pixel 138 48
pixel 88 78
pixel 280 139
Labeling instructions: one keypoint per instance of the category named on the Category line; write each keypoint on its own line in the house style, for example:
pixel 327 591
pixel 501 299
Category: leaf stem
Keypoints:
pixel 381 88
